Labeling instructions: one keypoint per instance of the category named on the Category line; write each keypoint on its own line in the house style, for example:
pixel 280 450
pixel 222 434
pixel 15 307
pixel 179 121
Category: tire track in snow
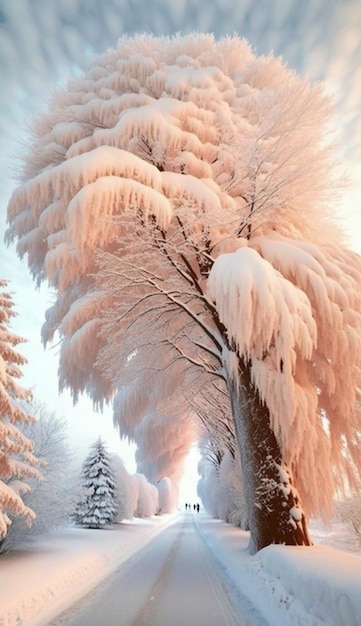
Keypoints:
pixel 190 589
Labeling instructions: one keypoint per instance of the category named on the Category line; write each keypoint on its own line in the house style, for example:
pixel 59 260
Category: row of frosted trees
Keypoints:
pixel 181 197
pixel 103 492
pixel 38 474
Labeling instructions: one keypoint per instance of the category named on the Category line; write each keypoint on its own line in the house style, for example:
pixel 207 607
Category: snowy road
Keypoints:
pixel 173 581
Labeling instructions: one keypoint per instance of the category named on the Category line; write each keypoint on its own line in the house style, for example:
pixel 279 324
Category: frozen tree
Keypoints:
pixel 147 503
pixel 221 488
pixel 181 197
pixel 217 432
pixel 232 506
pixel 206 491
pixel 161 422
pixel 217 435
pixel 52 498
pixel 17 460
pixel 97 505
pixel 349 511
pixel 163 441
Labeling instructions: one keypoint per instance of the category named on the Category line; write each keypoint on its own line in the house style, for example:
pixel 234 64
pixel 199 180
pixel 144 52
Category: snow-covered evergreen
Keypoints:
pixel 96 507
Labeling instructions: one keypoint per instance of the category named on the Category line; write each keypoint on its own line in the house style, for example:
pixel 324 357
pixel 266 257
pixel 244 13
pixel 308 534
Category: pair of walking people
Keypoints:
pixel 196 507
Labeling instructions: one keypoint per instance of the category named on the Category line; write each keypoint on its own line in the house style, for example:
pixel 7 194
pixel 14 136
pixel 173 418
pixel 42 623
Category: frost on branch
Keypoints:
pixel 268 320
pixel 160 128
pixel 293 311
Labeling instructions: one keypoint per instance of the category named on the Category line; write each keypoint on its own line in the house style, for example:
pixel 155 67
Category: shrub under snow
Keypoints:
pixel 126 491
pixel 167 497
pixel 147 504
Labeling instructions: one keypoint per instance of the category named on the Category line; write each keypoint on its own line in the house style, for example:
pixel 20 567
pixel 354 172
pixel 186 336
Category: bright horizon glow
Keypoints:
pixel 189 481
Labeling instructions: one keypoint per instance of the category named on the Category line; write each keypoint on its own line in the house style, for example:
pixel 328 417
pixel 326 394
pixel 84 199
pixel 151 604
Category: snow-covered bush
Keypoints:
pixel 166 495
pixel 51 499
pixel 133 493
pixel 147 504
pixel 126 490
pixel 97 506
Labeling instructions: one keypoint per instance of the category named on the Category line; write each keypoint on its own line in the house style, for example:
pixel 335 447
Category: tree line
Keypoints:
pixel 100 492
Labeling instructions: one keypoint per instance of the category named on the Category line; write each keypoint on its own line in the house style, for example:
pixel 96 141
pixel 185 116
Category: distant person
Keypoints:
pixel 194 507
pixel 186 506
pixel 198 507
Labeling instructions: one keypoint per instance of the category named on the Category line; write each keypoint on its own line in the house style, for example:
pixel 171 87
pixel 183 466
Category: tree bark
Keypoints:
pixel 273 504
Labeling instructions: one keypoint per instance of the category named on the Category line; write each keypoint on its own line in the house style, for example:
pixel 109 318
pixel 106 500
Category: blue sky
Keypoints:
pixel 41 42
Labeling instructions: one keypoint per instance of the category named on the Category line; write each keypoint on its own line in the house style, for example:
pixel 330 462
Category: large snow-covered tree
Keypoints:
pixel 17 461
pixel 96 507
pixel 181 196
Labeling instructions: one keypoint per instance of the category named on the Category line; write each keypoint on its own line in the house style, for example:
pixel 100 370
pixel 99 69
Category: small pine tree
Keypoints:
pixel 96 507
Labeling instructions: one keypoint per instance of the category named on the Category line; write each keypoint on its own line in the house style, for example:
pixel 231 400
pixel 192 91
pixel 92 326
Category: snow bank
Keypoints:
pixel 292 586
pixel 263 596
pixel 326 581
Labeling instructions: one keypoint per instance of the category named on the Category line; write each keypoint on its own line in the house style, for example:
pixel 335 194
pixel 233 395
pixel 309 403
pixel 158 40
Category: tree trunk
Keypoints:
pixel 273 504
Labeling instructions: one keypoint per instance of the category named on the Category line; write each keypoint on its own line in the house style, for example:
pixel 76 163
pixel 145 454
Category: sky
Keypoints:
pixel 292 586
pixel 42 42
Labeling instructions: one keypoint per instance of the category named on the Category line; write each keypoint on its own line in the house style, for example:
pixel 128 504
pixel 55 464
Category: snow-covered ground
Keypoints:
pixel 289 586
